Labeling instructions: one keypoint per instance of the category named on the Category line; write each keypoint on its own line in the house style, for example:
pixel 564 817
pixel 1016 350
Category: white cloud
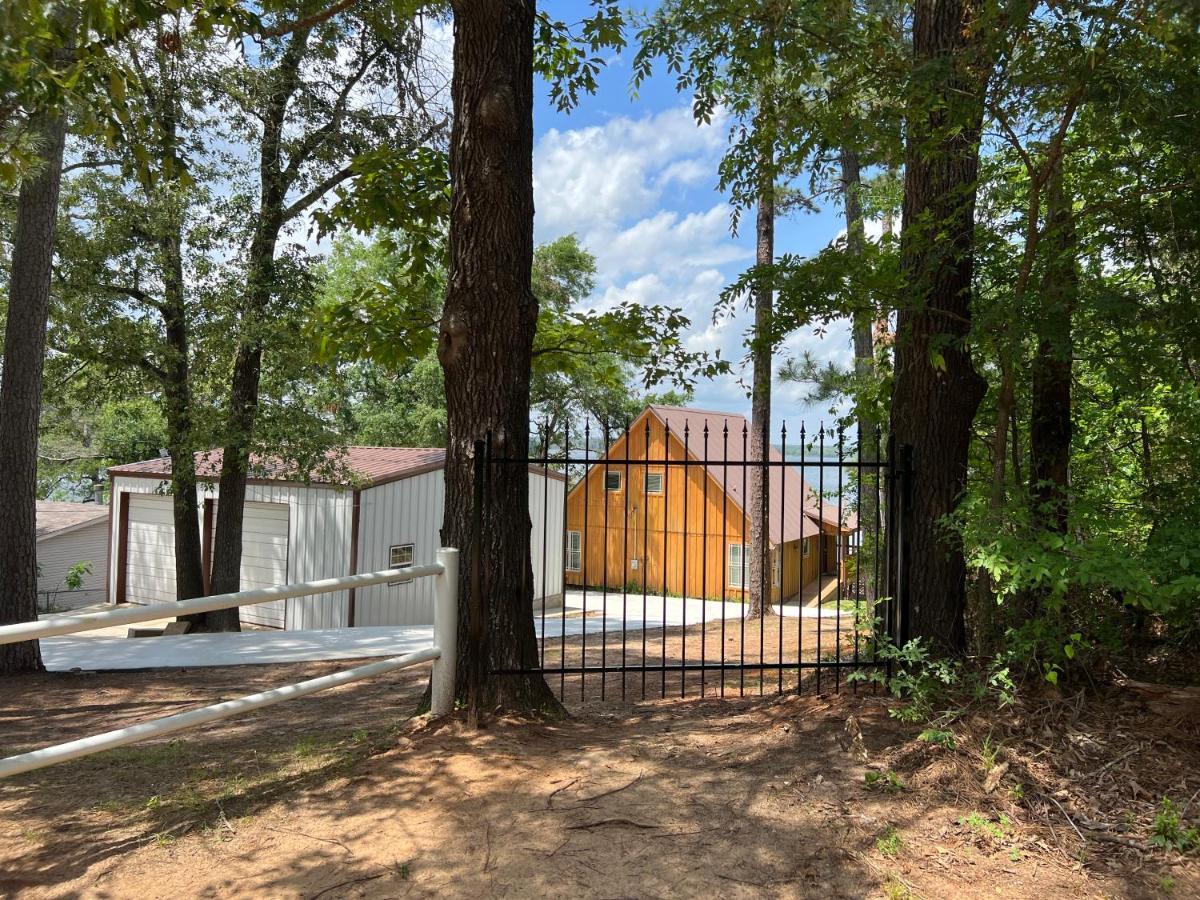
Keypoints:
pixel 596 177
pixel 634 190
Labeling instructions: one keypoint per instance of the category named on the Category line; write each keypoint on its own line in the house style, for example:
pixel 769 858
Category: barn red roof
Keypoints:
pixel 800 503
pixel 361 466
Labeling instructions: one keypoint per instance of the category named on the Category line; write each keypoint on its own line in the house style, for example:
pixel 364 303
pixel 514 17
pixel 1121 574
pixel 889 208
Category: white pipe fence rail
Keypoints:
pixel 442 654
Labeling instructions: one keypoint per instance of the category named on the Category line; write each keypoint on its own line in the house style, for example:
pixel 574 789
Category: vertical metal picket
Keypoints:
pixel 884 575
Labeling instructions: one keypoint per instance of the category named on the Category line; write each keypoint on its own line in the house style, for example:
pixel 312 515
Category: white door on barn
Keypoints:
pixel 150 573
pixel 264 559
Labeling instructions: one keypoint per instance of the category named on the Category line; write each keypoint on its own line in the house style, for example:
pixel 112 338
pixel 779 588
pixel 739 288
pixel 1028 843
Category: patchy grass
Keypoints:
pixel 995 832
pixel 887 781
pixel 890 843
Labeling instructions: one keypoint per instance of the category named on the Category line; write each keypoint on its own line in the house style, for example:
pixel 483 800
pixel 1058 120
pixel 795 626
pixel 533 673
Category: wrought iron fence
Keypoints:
pixel 665 586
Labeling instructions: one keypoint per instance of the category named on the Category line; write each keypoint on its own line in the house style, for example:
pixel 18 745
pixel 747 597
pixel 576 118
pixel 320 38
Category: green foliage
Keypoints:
pixel 567 56
pixel 890 843
pixel 380 322
pixel 1169 831
pixel 917 678
pixel 407 409
pixel 887 781
pixel 934 688
pixel 996 832
pixel 73 580
pixel 938 736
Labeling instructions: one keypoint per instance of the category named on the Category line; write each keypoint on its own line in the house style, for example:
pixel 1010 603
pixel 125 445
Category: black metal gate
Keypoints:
pixel 644 582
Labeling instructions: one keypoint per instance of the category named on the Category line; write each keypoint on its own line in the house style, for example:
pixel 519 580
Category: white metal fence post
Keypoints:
pixel 445 633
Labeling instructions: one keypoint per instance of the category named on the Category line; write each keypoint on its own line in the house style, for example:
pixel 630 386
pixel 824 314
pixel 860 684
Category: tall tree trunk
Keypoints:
pixel 176 366
pixel 239 432
pixel 864 370
pixel 247 365
pixel 1050 428
pixel 937 390
pixel 177 411
pixel 1006 399
pixel 758 499
pixel 758 505
pixel 231 497
pixel 21 390
pixel 485 344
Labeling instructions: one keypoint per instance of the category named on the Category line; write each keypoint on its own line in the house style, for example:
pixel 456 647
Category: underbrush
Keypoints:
pixel 1097 767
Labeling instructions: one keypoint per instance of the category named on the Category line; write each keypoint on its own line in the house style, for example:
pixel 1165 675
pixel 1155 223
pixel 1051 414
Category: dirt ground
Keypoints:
pixel 703 660
pixel 344 795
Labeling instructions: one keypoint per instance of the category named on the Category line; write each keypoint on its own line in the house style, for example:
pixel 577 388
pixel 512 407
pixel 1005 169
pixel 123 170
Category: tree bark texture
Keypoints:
pixel 937 390
pixel 864 373
pixel 21 390
pixel 485 343
pixel 760 575
pixel 176 361
pixel 177 411
pixel 1050 429
pixel 247 366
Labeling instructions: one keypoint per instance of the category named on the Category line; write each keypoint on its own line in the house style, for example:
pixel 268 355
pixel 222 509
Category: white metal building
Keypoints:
pixel 385 511
pixel 67 534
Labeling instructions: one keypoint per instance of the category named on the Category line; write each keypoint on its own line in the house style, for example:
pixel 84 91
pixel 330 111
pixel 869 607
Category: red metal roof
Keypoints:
pixel 358 466
pixel 798 516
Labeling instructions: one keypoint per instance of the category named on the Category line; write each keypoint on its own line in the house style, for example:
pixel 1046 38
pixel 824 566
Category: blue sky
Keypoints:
pixel 636 180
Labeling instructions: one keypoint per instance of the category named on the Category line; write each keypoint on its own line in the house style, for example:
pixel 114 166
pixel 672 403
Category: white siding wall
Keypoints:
pixel 546 496
pixel 57 553
pixel 318 541
pixel 410 512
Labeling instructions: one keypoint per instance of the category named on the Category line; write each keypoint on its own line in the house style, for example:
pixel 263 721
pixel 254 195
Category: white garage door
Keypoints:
pixel 151 569
pixel 264 559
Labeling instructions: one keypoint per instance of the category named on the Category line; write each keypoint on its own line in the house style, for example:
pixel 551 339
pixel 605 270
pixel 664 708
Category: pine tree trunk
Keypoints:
pixel 21 390
pixel 486 340
pixel 937 390
pixel 1050 427
pixel 864 375
pixel 758 507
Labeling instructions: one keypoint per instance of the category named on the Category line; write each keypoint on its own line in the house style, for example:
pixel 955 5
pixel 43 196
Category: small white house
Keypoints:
pixel 68 534
pixel 385 511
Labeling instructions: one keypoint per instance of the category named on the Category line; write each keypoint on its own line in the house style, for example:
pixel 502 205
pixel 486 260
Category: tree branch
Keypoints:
pixel 91 164
pixel 131 292
pixel 309 21
pixel 317 138
pixel 318 191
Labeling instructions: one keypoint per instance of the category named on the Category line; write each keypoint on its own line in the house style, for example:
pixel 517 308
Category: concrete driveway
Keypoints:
pixel 109 649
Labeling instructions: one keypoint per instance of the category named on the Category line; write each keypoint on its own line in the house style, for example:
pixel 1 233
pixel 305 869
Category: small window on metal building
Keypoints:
pixel 400 556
